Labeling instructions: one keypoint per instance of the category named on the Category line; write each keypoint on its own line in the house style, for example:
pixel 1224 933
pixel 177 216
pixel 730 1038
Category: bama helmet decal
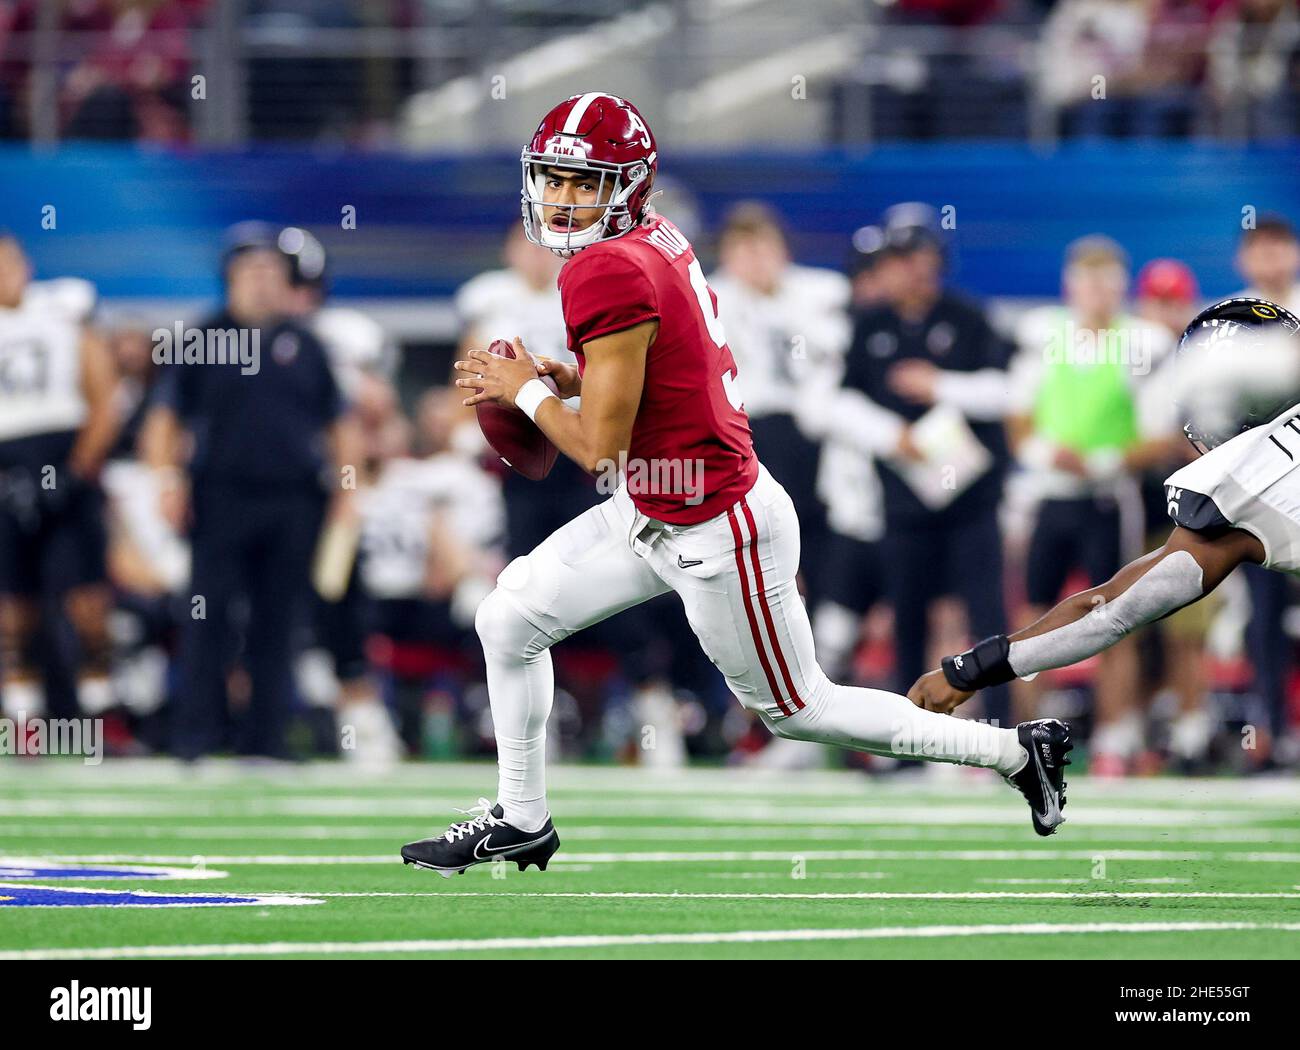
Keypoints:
pixel 23 895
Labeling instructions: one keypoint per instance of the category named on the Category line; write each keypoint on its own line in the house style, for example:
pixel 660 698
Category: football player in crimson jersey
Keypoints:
pixel 694 512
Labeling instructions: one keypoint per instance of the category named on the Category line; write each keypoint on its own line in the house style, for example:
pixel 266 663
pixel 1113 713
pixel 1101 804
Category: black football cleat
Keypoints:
pixel 1042 779
pixel 480 840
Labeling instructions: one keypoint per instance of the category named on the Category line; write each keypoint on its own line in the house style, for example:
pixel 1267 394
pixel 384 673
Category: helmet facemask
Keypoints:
pixel 615 186
pixel 1231 377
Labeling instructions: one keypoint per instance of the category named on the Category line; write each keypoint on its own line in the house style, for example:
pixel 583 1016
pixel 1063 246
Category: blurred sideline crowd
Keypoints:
pixel 170 532
pixel 932 69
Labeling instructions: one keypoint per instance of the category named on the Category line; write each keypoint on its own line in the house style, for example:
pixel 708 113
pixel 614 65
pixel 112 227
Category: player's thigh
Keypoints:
pixel 974 569
pixel 1053 550
pixel 853 572
pixel 76 548
pixel 743 604
pixel 582 573
pixel 1102 546
pixel 20 552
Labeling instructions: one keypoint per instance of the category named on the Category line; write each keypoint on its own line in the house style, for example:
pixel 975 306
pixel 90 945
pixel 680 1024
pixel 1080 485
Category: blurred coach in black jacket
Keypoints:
pixel 266 433
pixel 924 346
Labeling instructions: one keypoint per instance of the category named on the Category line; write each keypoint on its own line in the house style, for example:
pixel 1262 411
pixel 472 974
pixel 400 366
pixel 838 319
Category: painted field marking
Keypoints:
pixel 661 833
pixel 431 809
pixel 864 895
pixel 719 856
pixel 22 867
pixel 808 875
pixel 114 898
pixel 174 951
pixel 146 774
pixel 1081 882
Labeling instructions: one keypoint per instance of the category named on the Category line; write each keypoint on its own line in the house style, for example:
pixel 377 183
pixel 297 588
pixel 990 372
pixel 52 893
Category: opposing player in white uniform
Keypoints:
pixel 660 393
pixel 56 426
pixel 433 523
pixel 1239 503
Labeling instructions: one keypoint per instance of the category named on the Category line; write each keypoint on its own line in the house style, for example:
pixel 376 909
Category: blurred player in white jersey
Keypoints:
pixel 362 358
pixel 432 544
pixel 788 327
pixel 519 297
pixel 522 297
pixel 56 426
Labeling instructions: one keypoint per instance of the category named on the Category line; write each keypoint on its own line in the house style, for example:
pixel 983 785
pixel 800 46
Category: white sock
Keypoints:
pixel 521 688
pixel 526 816
pixel 1122 737
pixel 94 696
pixel 888 724
pixel 23 699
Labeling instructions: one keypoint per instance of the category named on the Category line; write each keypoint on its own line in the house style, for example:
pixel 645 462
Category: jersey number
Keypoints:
pixel 711 319
pixel 24 368
pixel 714 324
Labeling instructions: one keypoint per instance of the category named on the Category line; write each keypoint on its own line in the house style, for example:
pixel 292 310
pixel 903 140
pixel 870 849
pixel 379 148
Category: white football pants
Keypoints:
pixel 735 575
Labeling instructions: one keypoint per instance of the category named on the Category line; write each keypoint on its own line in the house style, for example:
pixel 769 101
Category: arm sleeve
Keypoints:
pixel 851 418
pixel 984 395
pixel 1170 584
pixel 605 293
pixel 1023 380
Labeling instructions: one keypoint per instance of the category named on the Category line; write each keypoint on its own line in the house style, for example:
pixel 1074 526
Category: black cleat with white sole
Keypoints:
pixel 480 840
pixel 1042 780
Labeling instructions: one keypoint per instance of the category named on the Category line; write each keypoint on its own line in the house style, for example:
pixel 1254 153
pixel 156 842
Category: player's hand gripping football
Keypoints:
pixel 495 378
pixel 565 375
pixel 933 693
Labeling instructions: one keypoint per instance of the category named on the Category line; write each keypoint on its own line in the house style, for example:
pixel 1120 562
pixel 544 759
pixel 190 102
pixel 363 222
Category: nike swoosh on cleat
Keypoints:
pixel 501 849
pixel 1048 793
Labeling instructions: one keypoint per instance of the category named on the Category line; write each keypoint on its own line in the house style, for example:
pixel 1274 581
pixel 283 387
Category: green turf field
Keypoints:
pixel 702 863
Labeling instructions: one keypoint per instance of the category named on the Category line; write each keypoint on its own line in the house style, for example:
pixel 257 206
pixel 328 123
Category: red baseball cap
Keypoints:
pixel 1168 279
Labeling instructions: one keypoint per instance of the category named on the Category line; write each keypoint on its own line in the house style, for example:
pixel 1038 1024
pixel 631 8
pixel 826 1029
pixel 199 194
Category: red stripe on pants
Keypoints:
pixel 767 610
pixel 749 612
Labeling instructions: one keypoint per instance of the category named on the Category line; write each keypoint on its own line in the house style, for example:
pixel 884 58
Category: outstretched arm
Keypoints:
pixel 1188 567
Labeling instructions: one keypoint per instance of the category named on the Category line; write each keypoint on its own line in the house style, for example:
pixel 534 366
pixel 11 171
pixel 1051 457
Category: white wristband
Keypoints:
pixel 530 397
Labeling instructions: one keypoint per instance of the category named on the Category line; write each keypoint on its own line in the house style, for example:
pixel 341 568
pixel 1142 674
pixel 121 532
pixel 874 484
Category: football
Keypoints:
pixel 513 436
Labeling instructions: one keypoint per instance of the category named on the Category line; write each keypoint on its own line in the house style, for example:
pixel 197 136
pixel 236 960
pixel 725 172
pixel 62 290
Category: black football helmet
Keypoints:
pixel 308 264
pixel 1239 325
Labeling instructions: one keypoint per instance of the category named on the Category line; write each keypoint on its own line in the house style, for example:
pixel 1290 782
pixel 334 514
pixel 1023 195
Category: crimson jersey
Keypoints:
pixel 691 455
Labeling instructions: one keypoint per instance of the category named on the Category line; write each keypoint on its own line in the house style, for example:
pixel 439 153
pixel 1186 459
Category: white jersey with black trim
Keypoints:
pixel 784 340
pixel 355 344
pixel 1251 482
pixel 40 371
pixel 500 304
pixel 399 513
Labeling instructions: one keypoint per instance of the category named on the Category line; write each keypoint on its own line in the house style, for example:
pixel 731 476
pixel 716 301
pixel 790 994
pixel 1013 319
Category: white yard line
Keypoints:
pixel 430 810
pixel 398 827
pixel 864 895
pixel 716 856
pixel 1080 882
pixel 429 778
pixel 275 948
